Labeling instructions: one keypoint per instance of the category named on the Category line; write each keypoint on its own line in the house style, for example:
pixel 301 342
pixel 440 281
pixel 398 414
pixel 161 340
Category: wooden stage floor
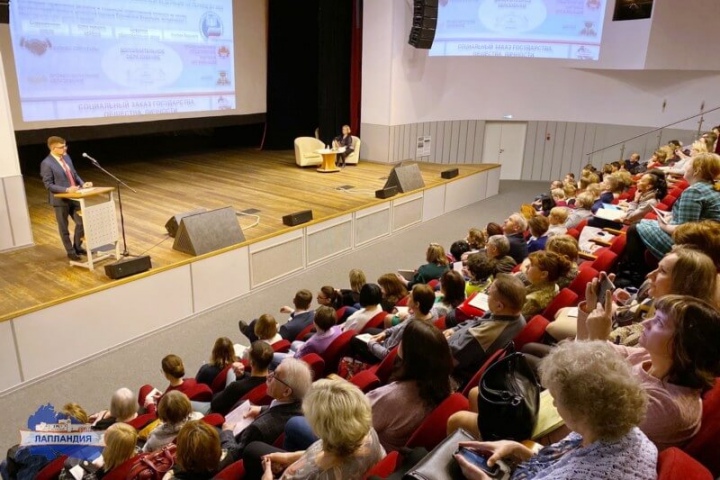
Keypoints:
pixel 40 276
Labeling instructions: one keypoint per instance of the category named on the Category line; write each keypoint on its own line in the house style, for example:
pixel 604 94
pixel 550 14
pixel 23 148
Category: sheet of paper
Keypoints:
pixel 407 274
pixel 480 301
pixel 365 337
pixel 612 215
pixel 403 310
pixel 236 417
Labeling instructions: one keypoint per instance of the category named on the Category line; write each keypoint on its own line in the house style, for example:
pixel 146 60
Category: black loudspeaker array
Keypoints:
pixel 425 14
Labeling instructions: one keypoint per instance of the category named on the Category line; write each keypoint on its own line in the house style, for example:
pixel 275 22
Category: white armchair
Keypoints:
pixel 305 148
pixel 354 157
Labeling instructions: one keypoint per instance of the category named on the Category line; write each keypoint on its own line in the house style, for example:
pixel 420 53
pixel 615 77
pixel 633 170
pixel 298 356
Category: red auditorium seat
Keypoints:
pixel 141 421
pixel 234 471
pixel 366 382
pixel 584 276
pixel 218 383
pixel 533 331
pixel 336 350
pixel 385 467
pixel 52 470
pixel 375 322
pixel 440 323
pixel 403 301
pixel 384 369
pixel 257 396
pixel 306 331
pixel 339 313
pixel 316 363
pixel 200 393
pixel 281 346
pixel 214 419
pixel 432 430
pixel 704 446
pixel 674 464
pixel 475 380
pixel 669 200
pixel 605 261
pixel 566 298
pixel 121 471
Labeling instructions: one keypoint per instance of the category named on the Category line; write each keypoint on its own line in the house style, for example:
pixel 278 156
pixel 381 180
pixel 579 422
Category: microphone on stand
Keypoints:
pixel 90 158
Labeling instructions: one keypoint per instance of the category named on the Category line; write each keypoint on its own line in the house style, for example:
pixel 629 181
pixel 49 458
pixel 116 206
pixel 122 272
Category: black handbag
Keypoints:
pixel 440 464
pixel 508 398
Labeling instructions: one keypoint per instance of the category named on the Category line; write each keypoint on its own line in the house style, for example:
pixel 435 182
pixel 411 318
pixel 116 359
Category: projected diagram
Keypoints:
pixel 86 59
pixel 568 29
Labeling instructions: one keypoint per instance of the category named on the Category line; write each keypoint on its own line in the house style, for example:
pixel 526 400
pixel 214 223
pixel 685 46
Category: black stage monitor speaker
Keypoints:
pixel 386 192
pixel 451 173
pixel 172 225
pixel 406 178
pixel 425 14
pixel 128 266
pixel 297 218
pixel 208 231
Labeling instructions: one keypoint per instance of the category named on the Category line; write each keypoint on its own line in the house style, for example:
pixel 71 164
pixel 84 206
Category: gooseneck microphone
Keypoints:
pixel 89 157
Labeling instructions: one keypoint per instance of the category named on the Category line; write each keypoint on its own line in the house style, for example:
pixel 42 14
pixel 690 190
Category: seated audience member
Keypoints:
pixel 392 289
pixel 123 408
pixel 260 356
pixel 223 354
pixel 582 211
pixel 543 273
pixel 587 381
pixel 493 228
pixel 287 385
pixel 658 160
pixel 420 383
pixel 498 250
pixel 421 302
pixel 678 360
pixel 458 249
pixel 351 296
pixel 678 168
pixel 300 318
pixel 174 370
pixel 326 332
pixel 451 295
pixel 566 246
pixel 173 411
pixel 120 445
pixel 476 239
pixel 588 179
pixel 437 264
pixel 570 190
pixel 265 329
pixel 370 298
pixel 700 201
pixel 514 227
pixel 558 196
pixel 329 297
pixel 705 236
pixel 479 270
pixel 611 186
pixel 538 226
pixel 633 164
pixel 198 452
pixel 651 189
pixel 473 341
pixel 557 218
pixel 340 416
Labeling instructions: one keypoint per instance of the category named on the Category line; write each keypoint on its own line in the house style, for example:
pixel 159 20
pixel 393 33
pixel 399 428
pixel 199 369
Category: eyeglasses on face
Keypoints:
pixel 272 376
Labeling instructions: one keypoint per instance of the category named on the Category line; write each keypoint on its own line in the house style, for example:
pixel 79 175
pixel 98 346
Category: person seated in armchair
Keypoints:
pixel 344 140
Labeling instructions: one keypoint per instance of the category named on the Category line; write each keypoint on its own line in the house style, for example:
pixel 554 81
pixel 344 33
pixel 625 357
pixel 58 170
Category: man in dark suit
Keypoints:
pixel 513 228
pixel 59 176
pixel 287 386
pixel 300 318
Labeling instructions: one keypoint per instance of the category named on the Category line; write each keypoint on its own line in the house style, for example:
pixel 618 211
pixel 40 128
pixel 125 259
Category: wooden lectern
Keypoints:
pixel 97 208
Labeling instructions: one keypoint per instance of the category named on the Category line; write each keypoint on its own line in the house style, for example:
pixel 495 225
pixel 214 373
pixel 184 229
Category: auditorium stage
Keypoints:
pixel 39 276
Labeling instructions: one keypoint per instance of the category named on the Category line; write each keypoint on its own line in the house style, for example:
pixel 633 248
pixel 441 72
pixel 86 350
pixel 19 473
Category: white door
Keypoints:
pixel 505 144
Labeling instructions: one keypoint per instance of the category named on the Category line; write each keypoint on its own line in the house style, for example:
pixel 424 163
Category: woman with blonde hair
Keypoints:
pixel 437 264
pixel 700 201
pixel 120 446
pixel 223 354
pixel 602 403
pixel 357 280
pixel 340 415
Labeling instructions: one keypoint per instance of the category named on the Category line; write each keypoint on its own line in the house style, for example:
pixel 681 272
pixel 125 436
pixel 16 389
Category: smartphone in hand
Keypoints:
pixel 605 286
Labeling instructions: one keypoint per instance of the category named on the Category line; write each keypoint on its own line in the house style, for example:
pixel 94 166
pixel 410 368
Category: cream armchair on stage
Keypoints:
pixel 354 157
pixel 305 151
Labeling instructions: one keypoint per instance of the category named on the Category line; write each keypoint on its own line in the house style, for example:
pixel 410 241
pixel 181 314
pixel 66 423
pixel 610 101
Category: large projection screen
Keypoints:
pixel 562 29
pixel 87 62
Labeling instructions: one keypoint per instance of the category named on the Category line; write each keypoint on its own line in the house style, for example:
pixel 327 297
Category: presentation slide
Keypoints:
pixel 567 29
pixel 79 59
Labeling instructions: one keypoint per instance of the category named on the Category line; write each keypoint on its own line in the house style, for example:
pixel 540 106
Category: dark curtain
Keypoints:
pixel 292 76
pixel 334 41
pixel 356 66
pixel 314 69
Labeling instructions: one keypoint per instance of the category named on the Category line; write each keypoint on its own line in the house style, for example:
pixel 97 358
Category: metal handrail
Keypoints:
pixel 702 112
